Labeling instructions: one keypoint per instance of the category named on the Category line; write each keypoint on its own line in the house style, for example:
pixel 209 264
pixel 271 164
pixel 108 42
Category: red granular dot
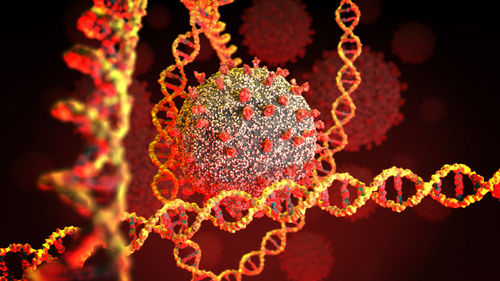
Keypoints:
pixel 301 114
pixel 307 257
pixel 200 76
pixel 298 140
pixel 224 136
pixel 267 145
pixel 286 135
pixel 269 110
pixel 158 16
pixel 413 42
pixel 377 99
pixel 231 151
pixel 432 109
pixel 277 31
pixel 370 10
pixel 431 210
pixel 244 95
pixel 201 123
pixel 247 112
pixel 219 81
pixel 283 100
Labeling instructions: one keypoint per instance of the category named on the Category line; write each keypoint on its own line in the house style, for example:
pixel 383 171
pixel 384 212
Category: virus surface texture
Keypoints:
pixel 276 31
pixel 413 42
pixel 244 128
pixel 378 98
pixel 307 257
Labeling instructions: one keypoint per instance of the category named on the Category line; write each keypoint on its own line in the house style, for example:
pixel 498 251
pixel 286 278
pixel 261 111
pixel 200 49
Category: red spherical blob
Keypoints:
pixel 413 42
pixel 377 99
pixel 277 31
pixel 307 257
pixel 370 10
pixel 158 16
pixel 432 109
pixel 431 210
pixel 365 175
pixel 144 59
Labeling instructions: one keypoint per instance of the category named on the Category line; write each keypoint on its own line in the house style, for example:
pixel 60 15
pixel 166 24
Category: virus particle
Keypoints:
pixel 276 31
pixel 365 175
pixel 27 167
pixel 370 10
pixel 432 109
pixel 206 50
pixel 140 197
pixel 144 60
pixel 377 99
pixel 71 15
pixel 413 42
pixel 158 17
pixel 244 129
pixel 211 248
pixel 307 257
pixel 431 210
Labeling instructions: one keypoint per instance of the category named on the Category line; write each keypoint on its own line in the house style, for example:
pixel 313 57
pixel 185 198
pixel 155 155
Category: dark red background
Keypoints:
pixel 463 71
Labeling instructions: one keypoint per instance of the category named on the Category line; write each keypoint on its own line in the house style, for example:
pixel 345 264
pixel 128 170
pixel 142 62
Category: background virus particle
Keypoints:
pixel 365 175
pixel 378 98
pixel 27 167
pixel 307 257
pixel 206 51
pixel 431 210
pixel 244 128
pixel 158 17
pixel 144 60
pixel 370 10
pixel 211 247
pixel 413 42
pixel 276 31
pixel 432 109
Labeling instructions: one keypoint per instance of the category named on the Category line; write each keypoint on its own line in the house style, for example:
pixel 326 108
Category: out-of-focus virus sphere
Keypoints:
pixel 145 59
pixel 277 31
pixel 431 210
pixel 370 10
pixel 365 175
pixel 244 128
pixel 158 16
pixel 413 42
pixel 307 257
pixel 211 247
pixel 432 109
pixel 378 98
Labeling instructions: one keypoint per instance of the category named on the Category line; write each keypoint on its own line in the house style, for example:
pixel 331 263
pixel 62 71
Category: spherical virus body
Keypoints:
pixel 277 31
pixel 244 128
pixel 413 42
pixel 377 99
pixel 307 257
